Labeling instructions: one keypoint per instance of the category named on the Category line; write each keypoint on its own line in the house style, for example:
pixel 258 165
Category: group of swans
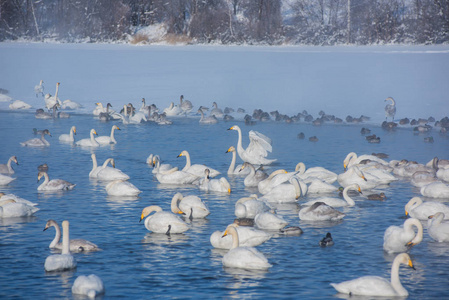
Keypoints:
pixel 65 260
pixel 75 245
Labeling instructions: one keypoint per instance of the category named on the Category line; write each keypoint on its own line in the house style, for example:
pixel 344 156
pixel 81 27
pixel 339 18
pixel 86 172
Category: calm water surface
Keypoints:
pixel 137 264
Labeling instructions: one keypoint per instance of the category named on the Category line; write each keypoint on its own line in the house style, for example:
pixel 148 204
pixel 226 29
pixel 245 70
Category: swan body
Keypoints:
pixel 400 239
pixel 207 120
pixel 337 202
pixel 106 173
pixel 68 137
pixel 287 192
pixel 106 140
pixel 98 109
pixel 274 179
pixel 17 199
pixel 75 245
pixel 5 179
pixel 90 286
pixel 39 88
pixel 243 257
pixel 317 186
pixel 420 210
pixel 254 177
pixel 375 285
pixel 158 167
pixel 173 110
pixel 69 104
pixel 354 175
pixel 38 142
pixel 216 112
pixel 63 261
pixel 320 211
pixel 248 237
pixel 443 174
pixel 162 221
pixel 216 185
pixel 257 150
pixel 196 169
pixel 6 168
pixel 51 101
pixel 436 189
pixel 390 109
pixel 54 184
pixel 90 142
pixel 438 230
pixel 121 187
pixel 192 206
pixel 249 207
pixel 19 104
pixel 233 170
pixel 174 176
pixel 422 178
pixel 352 159
pixel 269 221
pixel 315 172
pixel 185 105
pixel 10 208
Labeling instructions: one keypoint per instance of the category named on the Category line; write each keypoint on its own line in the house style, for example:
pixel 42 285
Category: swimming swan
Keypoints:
pixel 106 140
pixel 274 179
pixel 196 169
pixel 76 245
pixel 19 104
pixel 287 192
pixel 401 239
pixel 315 172
pixel 249 207
pixel 162 221
pixel 257 150
pixel 63 261
pixel 216 185
pixel 248 237
pixel 90 286
pixel 50 101
pixel 39 88
pixel 173 176
pixel 6 168
pixel 435 190
pixel 5 179
pixel 158 167
pixel 337 202
pixel 68 137
pixel 390 109
pixel 91 142
pixel 207 120
pixel 233 170
pixel 121 187
pixel 36 142
pixel 254 177
pixel 106 173
pixel 243 257
pixel 438 230
pixel 54 184
pixel 320 211
pixel 191 205
pixel 375 285
pixel 420 210
pixel 11 208
pixel 269 221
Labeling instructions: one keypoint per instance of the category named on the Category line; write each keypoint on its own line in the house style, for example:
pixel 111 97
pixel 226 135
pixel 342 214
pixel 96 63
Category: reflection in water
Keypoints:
pixel 160 239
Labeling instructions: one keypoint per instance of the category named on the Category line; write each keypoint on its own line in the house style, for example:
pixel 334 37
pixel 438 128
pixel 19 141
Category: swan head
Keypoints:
pixel 390 99
pixel 148 210
pixel 50 223
pixel 116 127
pixel 46 131
pixel 183 153
pixel 231 149
pixel 412 202
pixel 40 175
pixel 174 204
pixel 301 167
pixel 14 159
pixel 405 259
pixel 207 173
pixel 235 127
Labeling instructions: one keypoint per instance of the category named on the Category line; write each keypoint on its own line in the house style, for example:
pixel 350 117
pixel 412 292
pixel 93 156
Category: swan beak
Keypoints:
pixel 118 128
pixel 410 244
pixel 95 132
pixel 229 191
pixel 431 217
pixel 364 178
pixel 232 128
pixel 360 190
pixel 180 212
pixel 229 150
pixel 179 155
pixel 225 234
pixel 344 167
pixel 141 218
pixel 410 264
pixel 406 213
pixel 46 227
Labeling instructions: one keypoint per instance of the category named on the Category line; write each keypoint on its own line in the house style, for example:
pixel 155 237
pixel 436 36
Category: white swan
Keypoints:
pixel 95 168
pixel 269 221
pixel 254 177
pixel 90 142
pixel 216 112
pixel 248 237
pixel 75 245
pixel 315 172
pixel 274 179
pixel 216 185
pixel 50 101
pixel 422 178
pixel 420 210
pixel 185 105
pixel 249 207
pixel 90 286
pixel 68 137
pixel 19 104
pixel 257 150
pixel 317 186
pixel 158 167
pixel 320 211
pixel 243 257
pixel 5 179
pixel 438 230
pixel 443 174
pixel 355 175
pixel 63 261
pixel 17 199
pixel 162 221
pixel 173 110
pixel 233 170
pixel 121 187
pixel 54 184
pixel 106 140
pixel 390 109
pixel 287 192
pixel 207 120
pixel 38 142
pixel 106 173
pixel 98 109
pixel 10 208
pixel 39 88
pixel 352 159
pixel 401 238
pixel 191 205
pixel 375 285
pixel 436 189
pixel 6 168
pixel 69 104
pixel 196 169
pixel 337 202
pixel 173 176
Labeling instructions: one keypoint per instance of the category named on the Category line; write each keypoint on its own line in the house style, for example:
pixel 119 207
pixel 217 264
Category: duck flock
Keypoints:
pixel 319 192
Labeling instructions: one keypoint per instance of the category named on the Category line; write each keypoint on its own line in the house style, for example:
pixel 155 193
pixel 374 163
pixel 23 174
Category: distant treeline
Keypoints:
pixel 273 22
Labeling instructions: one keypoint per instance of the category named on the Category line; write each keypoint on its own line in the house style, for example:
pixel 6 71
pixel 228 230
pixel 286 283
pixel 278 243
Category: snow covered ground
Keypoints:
pixel 343 80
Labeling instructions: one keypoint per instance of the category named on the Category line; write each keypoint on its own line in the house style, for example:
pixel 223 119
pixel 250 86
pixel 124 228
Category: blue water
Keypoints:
pixel 137 264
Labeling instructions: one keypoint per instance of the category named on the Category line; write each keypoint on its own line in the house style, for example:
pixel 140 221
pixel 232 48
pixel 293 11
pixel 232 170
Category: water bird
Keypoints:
pixel 7 168
pixel 207 119
pixel 375 285
pixel 380 197
pixel 248 237
pixel 192 206
pixel 327 241
pixel 75 245
pixel 196 169
pixel 313 139
pixel 51 101
pixel 105 139
pixel 39 89
pixel 185 105
pixel 402 238
pixel 320 211
pixel 216 185
pixel 390 109
pixel 10 208
pixel 68 137
pixel 54 184
pixel 254 176
pixel 268 220
pixel 19 104
pixel 233 170
pixel 120 187
pixel 420 210
pixel 63 261
pixel 90 286
pixel 90 142
pixel 216 112
pixel 337 202
pixel 38 142
pixel 437 229
pixel 162 221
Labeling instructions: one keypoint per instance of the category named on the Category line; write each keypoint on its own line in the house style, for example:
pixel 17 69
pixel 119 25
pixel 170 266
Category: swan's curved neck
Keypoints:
pixel 94 163
pixel 174 203
pixel 232 165
pixel 65 238
pixel 202 114
pixel 8 164
pixel 57 236
pixel 92 138
pixel 252 170
pixel 408 228
pixel 46 178
pixel 112 135
pixel 346 196
pixel 239 141
pixel 395 281
pixel 56 93
pixel 235 237
pixel 297 187
pixel 300 167
pixel 188 162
